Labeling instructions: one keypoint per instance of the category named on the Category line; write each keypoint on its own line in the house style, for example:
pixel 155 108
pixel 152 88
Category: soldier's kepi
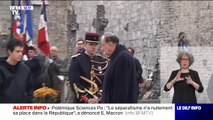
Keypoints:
pixel 92 38
pixel 87 70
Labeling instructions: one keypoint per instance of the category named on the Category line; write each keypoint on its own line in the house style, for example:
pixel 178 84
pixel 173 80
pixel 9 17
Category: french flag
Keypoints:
pixel 43 42
pixel 28 28
pixel 28 25
pixel 18 24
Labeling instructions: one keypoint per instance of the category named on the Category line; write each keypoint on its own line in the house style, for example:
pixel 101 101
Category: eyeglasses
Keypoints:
pixel 185 59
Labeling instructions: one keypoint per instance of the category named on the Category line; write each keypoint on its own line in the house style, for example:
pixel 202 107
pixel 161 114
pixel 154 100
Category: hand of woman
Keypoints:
pixel 178 77
pixel 189 80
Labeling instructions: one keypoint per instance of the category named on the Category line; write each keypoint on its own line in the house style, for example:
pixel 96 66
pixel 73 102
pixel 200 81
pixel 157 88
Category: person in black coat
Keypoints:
pixel 139 69
pixel 34 64
pixel 16 85
pixel 184 80
pixel 120 85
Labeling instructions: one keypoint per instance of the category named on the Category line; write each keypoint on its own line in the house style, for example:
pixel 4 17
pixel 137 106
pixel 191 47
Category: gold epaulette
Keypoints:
pixel 74 56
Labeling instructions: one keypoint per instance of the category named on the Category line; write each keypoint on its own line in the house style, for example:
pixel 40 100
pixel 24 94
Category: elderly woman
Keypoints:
pixel 184 80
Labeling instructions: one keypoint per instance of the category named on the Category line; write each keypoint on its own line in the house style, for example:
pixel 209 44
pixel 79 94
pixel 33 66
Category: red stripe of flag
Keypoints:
pixel 43 42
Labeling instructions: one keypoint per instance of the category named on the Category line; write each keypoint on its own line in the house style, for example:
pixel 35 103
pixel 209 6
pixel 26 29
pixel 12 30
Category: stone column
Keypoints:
pixel 100 22
pixel 72 30
pixel 3 42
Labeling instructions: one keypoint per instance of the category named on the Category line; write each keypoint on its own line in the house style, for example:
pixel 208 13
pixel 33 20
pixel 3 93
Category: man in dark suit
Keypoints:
pixel 139 69
pixel 34 64
pixel 120 85
pixel 86 71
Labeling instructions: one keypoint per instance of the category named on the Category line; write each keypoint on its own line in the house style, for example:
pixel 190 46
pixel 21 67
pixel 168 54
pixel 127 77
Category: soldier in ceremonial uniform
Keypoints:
pixel 87 70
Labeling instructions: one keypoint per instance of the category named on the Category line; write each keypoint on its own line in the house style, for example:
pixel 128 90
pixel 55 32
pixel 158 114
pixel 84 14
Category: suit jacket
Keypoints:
pixel 139 71
pixel 36 69
pixel 53 71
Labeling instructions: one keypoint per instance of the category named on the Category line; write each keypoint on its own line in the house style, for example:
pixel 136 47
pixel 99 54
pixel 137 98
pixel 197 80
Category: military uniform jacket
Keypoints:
pixel 81 65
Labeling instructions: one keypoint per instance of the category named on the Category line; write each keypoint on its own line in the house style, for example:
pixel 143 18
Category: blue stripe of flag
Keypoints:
pixel 21 18
pixel 29 20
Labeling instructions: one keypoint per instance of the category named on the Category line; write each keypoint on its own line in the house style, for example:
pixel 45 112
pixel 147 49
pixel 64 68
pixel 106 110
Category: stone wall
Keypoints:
pixel 5 26
pixel 5 17
pixel 57 23
pixel 203 64
pixel 147 25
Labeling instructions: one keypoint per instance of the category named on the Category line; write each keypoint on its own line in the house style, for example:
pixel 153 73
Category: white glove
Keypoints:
pixel 50 61
pixel 24 57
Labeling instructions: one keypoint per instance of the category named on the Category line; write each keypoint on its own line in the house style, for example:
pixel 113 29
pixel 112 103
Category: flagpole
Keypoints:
pixel 12 19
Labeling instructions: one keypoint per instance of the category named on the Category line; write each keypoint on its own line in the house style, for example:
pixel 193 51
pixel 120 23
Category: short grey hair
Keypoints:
pixel 189 55
pixel 110 37
pixel 54 48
